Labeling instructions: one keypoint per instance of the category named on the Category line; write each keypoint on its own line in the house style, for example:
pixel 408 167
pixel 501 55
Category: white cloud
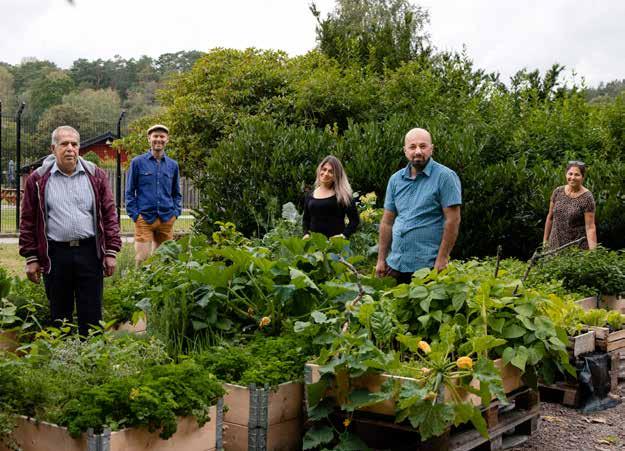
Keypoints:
pixel 502 36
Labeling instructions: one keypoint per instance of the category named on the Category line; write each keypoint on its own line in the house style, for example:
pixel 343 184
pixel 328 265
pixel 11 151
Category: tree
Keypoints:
pixel 375 33
pixel 103 105
pixel 48 91
pixel 30 70
pixel 141 101
pixel 177 62
pixel 75 116
pixel 7 93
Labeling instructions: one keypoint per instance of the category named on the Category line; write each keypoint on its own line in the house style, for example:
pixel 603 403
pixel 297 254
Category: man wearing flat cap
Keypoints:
pixel 153 197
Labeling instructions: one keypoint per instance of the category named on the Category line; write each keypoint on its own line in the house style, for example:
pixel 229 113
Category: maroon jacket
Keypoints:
pixel 33 242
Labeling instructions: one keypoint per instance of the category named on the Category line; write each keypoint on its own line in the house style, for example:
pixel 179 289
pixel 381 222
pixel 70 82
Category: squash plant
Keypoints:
pixel 442 330
pixel 479 306
pixel 373 341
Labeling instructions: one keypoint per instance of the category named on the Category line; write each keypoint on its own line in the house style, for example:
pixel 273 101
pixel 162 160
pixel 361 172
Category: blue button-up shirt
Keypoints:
pixel 418 204
pixel 153 188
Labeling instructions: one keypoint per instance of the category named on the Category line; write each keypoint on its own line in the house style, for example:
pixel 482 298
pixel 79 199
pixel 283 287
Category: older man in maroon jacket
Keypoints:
pixel 69 231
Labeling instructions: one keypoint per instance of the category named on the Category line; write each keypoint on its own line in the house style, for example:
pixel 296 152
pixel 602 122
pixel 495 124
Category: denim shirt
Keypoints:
pixel 418 204
pixel 153 188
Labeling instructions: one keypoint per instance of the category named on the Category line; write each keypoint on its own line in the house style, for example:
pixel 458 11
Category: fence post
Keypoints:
pixel 18 164
pixel 118 170
pixel 1 164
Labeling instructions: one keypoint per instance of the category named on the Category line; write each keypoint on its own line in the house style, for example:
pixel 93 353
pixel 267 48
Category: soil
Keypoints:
pixel 562 428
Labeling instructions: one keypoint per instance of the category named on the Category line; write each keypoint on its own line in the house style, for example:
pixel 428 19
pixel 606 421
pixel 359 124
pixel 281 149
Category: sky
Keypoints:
pixel 499 35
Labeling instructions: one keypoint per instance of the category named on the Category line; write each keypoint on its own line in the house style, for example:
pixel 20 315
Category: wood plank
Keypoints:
pixel 286 402
pixel 583 343
pixel 237 402
pixel 587 303
pixel 612 302
pixel 618 335
pixel 613 346
pixel 235 437
pixel 188 437
pixel 42 436
pixel 285 436
pixel 140 327
pixel 601 333
pixel 471 439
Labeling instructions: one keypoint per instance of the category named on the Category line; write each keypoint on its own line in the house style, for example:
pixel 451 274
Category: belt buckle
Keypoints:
pixel 74 243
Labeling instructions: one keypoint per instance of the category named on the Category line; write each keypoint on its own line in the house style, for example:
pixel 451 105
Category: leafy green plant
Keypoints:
pixel 264 360
pixel 199 294
pixel 59 367
pixel 598 272
pixel 153 399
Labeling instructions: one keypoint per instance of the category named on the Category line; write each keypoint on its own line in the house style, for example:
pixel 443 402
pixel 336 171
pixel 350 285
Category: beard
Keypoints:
pixel 419 165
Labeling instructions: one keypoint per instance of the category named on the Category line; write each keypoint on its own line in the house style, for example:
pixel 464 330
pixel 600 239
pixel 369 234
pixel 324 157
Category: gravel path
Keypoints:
pixel 562 429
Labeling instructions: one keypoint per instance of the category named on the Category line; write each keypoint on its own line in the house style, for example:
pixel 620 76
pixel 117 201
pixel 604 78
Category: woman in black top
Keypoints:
pixel 326 207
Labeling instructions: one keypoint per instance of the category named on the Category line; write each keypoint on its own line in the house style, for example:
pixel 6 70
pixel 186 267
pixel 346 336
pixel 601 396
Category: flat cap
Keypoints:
pixel 158 127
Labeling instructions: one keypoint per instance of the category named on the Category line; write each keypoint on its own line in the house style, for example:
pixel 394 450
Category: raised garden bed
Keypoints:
pixel 8 340
pixel 612 302
pixel 263 418
pixel 128 326
pixel 511 377
pixel 608 341
pixel 42 436
pixel 588 303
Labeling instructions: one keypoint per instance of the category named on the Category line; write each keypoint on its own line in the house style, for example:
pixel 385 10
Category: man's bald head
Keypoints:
pixel 418 133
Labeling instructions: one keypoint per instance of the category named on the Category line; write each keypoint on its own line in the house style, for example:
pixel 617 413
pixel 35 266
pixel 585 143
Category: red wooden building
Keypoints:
pixel 101 146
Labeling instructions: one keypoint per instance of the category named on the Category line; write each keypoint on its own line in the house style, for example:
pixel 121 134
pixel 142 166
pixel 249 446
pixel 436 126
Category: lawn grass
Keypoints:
pixel 11 260
pixel 7 220
pixel 14 264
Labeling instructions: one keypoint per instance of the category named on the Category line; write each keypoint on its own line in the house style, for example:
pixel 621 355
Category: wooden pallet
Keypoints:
pixel 617 368
pixel 514 422
pixel 561 393
pixel 609 341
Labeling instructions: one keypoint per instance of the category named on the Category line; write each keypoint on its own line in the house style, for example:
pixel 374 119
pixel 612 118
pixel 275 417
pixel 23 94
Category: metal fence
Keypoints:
pixel 25 141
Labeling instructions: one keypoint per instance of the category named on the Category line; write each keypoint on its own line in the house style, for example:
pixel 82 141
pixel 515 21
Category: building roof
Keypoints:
pixel 98 139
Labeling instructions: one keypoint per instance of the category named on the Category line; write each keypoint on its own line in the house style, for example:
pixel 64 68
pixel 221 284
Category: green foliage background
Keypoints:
pixel 250 127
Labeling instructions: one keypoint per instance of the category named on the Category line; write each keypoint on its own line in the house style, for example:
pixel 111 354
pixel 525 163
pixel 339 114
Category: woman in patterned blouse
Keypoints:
pixel 571 211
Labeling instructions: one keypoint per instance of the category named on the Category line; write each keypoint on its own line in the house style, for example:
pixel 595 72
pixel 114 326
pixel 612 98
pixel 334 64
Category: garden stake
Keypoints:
pixel 499 249
pixel 538 255
pixel 361 290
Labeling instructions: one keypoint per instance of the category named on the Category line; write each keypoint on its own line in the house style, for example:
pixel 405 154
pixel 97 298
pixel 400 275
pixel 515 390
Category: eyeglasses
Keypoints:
pixel 577 163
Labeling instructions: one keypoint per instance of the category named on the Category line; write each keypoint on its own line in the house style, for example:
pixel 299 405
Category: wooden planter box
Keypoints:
pixel 263 418
pixel 583 343
pixel 608 341
pixel 138 328
pixel 8 341
pixel 42 436
pixel 612 302
pixel 511 377
pixel 588 303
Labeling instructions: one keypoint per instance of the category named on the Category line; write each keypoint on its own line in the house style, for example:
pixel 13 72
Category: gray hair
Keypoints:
pixel 63 128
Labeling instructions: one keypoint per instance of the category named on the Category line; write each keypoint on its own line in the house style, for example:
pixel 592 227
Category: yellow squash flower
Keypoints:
pixel 464 363
pixel 346 422
pixel 265 321
pixel 425 347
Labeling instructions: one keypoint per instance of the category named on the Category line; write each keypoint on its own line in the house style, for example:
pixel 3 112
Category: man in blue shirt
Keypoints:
pixel 153 198
pixel 421 213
